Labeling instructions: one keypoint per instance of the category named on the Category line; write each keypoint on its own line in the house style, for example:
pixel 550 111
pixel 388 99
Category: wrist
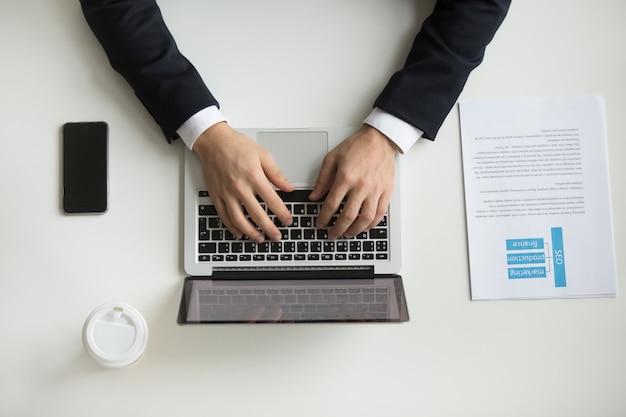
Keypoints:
pixel 382 138
pixel 198 123
pixel 209 137
pixel 400 132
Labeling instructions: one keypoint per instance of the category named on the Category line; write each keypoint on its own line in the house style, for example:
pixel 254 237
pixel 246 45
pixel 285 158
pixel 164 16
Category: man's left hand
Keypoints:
pixel 361 170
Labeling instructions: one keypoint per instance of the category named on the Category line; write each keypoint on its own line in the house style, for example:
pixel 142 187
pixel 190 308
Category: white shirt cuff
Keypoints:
pixel 403 134
pixel 198 123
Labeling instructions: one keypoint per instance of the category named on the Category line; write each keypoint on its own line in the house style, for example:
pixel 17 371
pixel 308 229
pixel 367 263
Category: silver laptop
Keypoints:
pixel 303 278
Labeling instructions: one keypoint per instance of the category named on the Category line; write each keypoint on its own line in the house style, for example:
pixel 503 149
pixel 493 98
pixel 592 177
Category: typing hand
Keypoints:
pixel 361 169
pixel 236 170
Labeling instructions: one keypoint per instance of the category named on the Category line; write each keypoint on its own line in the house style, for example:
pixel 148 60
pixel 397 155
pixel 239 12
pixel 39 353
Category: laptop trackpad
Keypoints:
pixel 299 154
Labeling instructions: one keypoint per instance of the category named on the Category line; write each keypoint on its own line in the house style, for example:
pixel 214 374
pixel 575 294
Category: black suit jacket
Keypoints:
pixel 450 44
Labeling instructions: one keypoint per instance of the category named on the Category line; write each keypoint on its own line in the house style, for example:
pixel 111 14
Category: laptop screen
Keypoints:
pixel 300 300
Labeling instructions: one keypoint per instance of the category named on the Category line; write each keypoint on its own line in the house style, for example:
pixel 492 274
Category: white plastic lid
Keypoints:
pixel 115 335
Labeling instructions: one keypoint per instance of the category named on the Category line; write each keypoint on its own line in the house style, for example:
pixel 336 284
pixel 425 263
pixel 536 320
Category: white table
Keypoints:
pixel 284 63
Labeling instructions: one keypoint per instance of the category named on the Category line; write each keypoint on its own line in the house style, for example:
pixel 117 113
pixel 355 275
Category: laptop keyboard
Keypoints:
pixel 295 304
pixel 301 241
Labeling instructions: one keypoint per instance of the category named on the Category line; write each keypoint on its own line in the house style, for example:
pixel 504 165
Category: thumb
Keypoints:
pixel 275 175
pixel 324 181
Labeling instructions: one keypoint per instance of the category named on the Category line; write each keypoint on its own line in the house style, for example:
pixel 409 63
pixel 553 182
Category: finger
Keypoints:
pixel 276 205
pixel 241 222
pixel 383 206
pixel 222 212
pixel 274 174
pixel 331 204
pixel 262 220
pixel 366 216
pixel 325 178
pixel 349 214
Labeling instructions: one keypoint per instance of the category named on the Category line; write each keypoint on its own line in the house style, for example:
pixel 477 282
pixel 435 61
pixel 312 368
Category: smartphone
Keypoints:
pixel 85 167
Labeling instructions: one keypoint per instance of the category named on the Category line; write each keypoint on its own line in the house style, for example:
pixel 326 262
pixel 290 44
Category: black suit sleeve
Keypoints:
pixel 141 48
pixel 449 46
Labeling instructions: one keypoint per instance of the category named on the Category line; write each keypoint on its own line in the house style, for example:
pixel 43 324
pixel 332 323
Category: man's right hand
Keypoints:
pixel 236 169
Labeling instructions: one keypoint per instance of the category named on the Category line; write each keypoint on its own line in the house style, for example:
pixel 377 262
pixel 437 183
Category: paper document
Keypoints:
pixel 537 198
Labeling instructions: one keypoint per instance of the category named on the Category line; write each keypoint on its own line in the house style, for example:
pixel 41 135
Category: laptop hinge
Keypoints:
pixel 289 272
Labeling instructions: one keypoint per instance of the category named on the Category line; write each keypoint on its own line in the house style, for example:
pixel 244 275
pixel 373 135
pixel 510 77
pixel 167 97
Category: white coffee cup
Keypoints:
pixel 115 335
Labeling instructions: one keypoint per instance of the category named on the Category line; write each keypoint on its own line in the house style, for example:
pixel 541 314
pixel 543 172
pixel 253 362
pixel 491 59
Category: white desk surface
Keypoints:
pixel 285 63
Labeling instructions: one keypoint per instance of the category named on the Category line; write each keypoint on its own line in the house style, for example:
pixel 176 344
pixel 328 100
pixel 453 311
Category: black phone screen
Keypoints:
pixel 85 167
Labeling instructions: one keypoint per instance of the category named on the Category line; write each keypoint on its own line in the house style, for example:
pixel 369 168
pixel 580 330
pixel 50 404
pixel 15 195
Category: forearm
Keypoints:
pixel 449 46
pixel 141 48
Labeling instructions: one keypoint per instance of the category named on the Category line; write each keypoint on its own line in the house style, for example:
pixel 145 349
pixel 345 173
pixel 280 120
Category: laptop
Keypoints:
pixel 304 278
